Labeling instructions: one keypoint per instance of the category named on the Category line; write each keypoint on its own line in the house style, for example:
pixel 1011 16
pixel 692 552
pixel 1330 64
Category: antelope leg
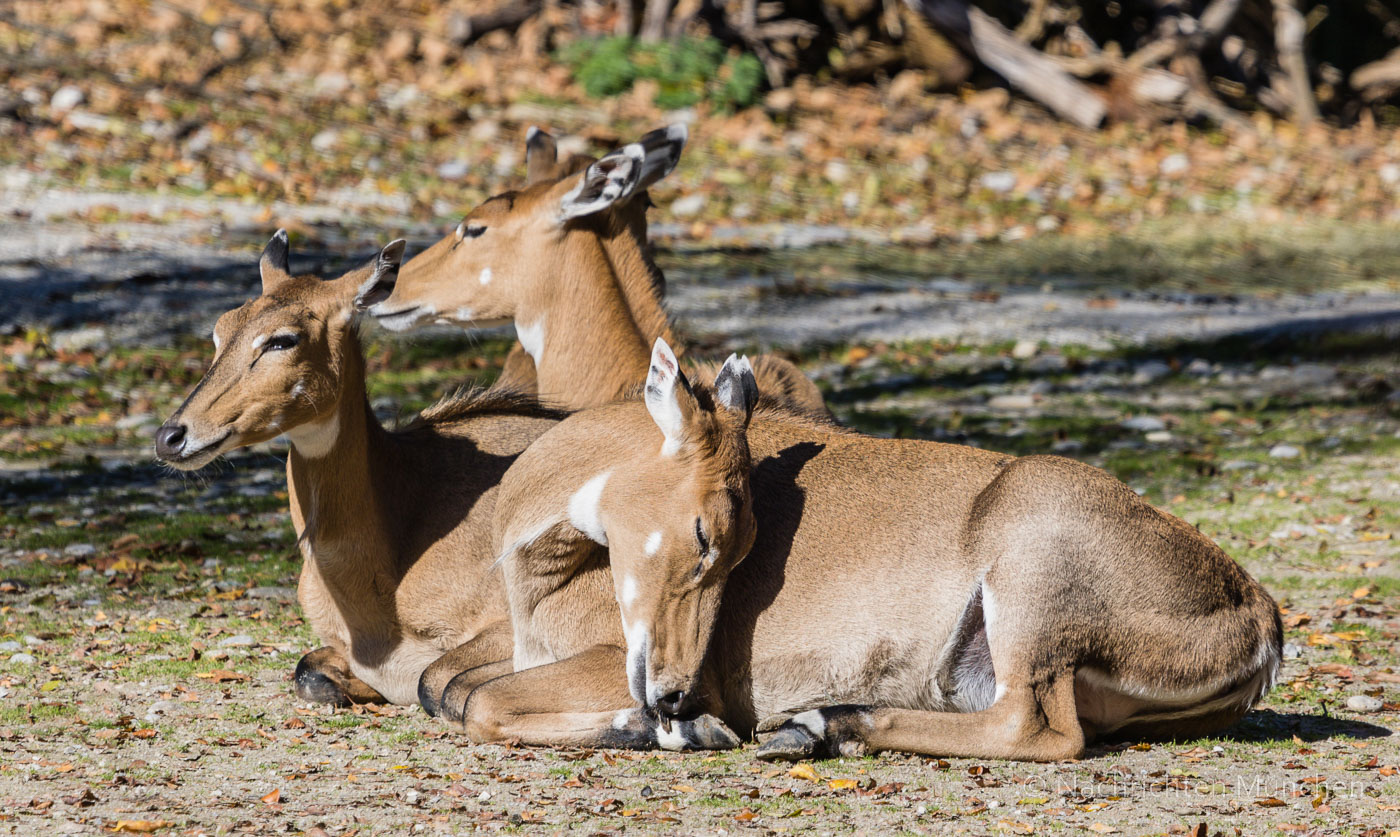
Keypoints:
pixel 1026 723
pixel 488 655
pixel 581 701
pixel 323 676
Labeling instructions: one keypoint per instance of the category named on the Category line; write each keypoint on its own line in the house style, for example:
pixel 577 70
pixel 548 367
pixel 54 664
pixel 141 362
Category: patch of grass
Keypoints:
pixel 686 70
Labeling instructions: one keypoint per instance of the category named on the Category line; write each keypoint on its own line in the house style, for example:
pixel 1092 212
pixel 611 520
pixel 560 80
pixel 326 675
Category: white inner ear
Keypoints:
pixel 661 400
pixel 611 177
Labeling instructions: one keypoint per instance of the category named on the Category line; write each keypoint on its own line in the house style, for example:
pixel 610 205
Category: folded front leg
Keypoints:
pixel 488 653
pixel 581 701
pixel 323 676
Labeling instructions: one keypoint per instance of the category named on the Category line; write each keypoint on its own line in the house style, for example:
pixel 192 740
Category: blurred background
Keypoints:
pixel 1157 236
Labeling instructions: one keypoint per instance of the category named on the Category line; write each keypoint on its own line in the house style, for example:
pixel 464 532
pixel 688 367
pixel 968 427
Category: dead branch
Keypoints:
pixel 1289 29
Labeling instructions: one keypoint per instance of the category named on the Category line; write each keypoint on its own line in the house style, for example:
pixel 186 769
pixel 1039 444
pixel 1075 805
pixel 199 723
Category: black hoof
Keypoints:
pixel 315 686
pixel 709 733
pixel 790 743
pixel 429 698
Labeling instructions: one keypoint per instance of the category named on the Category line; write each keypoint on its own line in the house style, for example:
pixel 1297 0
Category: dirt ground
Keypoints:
pixel 150 627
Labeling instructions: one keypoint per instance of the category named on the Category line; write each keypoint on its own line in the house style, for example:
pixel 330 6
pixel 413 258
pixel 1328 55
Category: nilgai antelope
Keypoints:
pixel 395 527
pixel 565 260
pixel 854 594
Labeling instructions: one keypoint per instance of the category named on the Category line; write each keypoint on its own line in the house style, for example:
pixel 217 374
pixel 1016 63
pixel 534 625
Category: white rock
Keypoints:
pixel 453 169
pixel 238 641
pixel 837 171
pixel 9 647
pixel 80 550
pixel 22 659
pixel 67 97
pixel 1144 424
pixel 1022 401
pixel 687 206
pixel 1000 182
pixel 1150 371
pixel 1174 164
pixel 1159 437
pixel 1364 703
pixel 1284 452
pixel 1025 349
pixel 325 140
pixel 1292 651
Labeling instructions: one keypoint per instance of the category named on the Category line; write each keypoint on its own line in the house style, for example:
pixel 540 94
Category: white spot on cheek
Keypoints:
pixel 583 508
pixel 531 338
pixel 485 277
pixel 653 543
pixel 629 591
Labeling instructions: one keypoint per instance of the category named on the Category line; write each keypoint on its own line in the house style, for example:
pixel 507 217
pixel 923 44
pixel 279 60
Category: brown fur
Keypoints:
pixel 922 596
pixel 394 526
pixel 587 287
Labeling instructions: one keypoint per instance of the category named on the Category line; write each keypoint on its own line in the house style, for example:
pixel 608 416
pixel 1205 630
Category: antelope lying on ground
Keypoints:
pixel 896 594
pixel 395 527
pixel 565 260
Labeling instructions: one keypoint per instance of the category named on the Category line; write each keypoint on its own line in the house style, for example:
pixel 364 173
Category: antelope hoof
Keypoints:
pixel 314 685
pixel 708 733
pixel 791 743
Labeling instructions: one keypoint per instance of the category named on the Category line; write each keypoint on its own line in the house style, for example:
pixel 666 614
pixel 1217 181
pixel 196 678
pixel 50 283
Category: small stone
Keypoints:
pixel 453 170
pixel 1174 164
pixel 837 171
pixel 1067 446
pixel 67 97
pixel 80 550
pixel 1144 424
pixel 9 647
pixel 79 339
pixel 325 140
pixel 238 641
pixel 161 707
pixel 1000 182
pixel 688 206
pixel 1025 349
pixel 1284 452
pixel 1238 465
pixel 1292 651
pixel 22 659
pixel 1151 370
pixel 1022 401
pixel 1364 703
pixel 272 593
pixel 1200 368
pixel 1159 437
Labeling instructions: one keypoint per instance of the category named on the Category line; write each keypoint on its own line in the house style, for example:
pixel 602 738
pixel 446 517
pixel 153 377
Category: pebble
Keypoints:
pixel 272 593
pixel 1011 402
pixel 1238 465
pixel 1146 424
pixel 161 707
pixel 238 641
pixel 687 206
pixel 1159 437
pixel 1000 182
pixel 80 550
pixel 9 646
pixel 1151 370
pixel 453 169
pixel 1284 452
pixel 1025 349
pixel 1292 651
pixel 22 659
pixel 1364 703
pixel 1174 163
pixel 67 97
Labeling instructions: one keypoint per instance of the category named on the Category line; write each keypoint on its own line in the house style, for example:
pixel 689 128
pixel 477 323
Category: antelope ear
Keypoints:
pixel 668 397
pixel 622 173
pixel 736 389
pixel 541 155
pixel 273 266
pixel 384 272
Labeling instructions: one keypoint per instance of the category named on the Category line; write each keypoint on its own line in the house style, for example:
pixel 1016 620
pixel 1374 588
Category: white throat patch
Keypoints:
pixel 531 338
pixel 315 439
pixel 583 509
pixel 485 277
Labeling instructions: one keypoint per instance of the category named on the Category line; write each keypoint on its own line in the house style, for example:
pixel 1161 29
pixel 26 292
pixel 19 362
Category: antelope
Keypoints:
pixel 565 260
pixel 394 526
pixel 849 594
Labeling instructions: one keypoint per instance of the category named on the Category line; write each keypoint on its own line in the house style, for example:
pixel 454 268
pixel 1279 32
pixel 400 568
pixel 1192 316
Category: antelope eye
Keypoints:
pixel 700 538
pixel 465 231
pixel 280 343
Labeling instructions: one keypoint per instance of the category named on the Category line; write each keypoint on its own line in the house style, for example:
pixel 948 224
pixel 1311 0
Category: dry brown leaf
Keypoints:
pixel 804 771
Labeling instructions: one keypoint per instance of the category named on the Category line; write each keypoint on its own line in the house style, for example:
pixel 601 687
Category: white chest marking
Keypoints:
pixel 485 277
pixel 531 338
pixel 583 508
pixel 315 439
pixel 653 543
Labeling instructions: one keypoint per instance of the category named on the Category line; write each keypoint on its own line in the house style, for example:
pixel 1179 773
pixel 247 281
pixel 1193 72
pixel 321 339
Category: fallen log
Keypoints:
pixel 1025 68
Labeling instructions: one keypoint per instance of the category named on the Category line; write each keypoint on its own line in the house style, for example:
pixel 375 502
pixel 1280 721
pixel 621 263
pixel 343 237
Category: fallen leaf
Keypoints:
pixel 843 784
pixel 139 826
pixel 1270 802
pixel 223 675
pixel 1015 827
pixel 804 771
pixel 274 797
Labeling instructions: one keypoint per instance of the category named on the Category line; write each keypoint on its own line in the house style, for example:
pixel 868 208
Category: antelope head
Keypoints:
pixel 679 519
pixel 507 250
pixel 280 361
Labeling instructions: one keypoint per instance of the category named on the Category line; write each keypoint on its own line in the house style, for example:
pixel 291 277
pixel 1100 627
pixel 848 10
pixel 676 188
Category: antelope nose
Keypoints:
pixel 170 440
pixel 673 704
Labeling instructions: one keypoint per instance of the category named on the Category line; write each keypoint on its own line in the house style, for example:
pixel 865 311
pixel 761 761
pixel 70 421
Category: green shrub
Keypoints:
pixel 686 71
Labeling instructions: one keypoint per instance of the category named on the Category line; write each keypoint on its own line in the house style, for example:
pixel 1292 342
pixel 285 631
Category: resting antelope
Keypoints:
pixel 565 260
pixel 872 594
pixel 394 526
